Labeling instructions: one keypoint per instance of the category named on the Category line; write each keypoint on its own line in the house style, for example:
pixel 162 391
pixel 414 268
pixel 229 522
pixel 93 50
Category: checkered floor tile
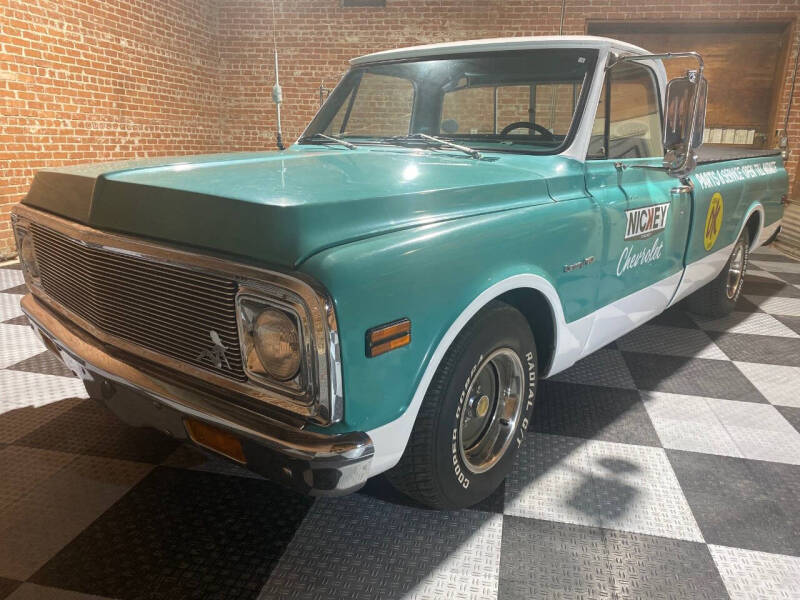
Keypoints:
pixel 666 465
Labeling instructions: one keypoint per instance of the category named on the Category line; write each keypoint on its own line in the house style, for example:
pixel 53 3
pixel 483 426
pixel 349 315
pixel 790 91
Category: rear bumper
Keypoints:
pixel 307 461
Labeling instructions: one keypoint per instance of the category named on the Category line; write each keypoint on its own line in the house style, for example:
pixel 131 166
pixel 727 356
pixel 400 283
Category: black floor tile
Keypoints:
pixel 742 503
pixel 743 305
pixel 792 323
pixel 90 428
pixel 694 376
pixel 7 586
pixel 771 257
pixel 763 286
pixel 793 278
pixel 574 410
pixel 44 363
pixel 20 320
pixel 181 534
pixel 791 414
pixel 674 317
pixel 546 559
pixel 765 349
pixel 21 290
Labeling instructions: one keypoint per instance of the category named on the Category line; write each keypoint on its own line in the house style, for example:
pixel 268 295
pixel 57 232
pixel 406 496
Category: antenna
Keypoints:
pixel 277 93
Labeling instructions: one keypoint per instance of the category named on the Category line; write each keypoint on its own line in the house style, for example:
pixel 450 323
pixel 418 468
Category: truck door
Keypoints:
pixel 646 212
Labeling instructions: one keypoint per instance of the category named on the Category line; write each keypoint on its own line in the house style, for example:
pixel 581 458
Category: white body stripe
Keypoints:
pixel 573 340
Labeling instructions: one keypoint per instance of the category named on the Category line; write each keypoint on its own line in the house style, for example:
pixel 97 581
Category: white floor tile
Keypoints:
pixel 605 484
pixel 724 427
pixel 777 305
pixel 751 575
pixel 10 278
pixel 17 343
pixel 9 306
pixel 21 388
pixel 779 384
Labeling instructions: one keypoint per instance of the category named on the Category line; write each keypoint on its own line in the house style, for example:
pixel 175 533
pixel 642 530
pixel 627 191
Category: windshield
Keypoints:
pixel 520 101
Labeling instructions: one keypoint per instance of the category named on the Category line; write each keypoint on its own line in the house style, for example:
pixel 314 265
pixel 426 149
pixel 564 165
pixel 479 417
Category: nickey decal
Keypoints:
pixel 713 221
pixel 643 222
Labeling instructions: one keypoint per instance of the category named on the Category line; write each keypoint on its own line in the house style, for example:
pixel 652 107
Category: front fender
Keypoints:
pixel 438 276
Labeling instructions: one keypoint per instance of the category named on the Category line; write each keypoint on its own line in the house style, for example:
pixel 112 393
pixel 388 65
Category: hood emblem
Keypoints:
pixel 216 354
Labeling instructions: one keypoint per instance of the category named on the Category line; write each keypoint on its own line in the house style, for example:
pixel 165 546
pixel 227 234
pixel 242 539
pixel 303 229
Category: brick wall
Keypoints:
pixel 86 81
pixel 92 80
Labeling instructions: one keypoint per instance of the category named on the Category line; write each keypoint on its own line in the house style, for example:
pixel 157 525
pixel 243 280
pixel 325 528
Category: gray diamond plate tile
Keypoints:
pixel 792 323
pixel 58 508
pixel 778 267
pixel 603 368
pixel 543 559
pixel 7 586
pixel 16 423
pixel 45 363
pixel 358 547
pixel 20 320
pixel 586 411
pixel 779 384
pixel 777 305
pixel 751 323
pixel 791 414
pixel 694 376
pixel 757 575
pixel 766 287
pixel 763 349
pixel 656 339
pixel 621 486
pixel 674 317
pixel 24 468
pixel 742 503
pixel 31 591
pixel 759 274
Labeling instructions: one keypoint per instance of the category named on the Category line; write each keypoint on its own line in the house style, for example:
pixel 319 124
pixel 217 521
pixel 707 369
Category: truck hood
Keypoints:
pixel 281 208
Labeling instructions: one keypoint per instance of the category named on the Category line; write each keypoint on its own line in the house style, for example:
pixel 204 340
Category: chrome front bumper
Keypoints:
pixel 310 462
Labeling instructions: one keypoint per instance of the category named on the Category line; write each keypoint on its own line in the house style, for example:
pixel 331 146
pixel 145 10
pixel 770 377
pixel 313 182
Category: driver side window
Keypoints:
pixel 628 119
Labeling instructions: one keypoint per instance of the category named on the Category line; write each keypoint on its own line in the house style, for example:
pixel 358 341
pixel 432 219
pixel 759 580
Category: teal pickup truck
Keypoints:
pixel 457 222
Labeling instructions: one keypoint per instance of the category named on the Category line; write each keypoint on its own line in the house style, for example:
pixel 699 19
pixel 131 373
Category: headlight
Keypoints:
pixel 277 344
pixel 272 342
pixel 27 254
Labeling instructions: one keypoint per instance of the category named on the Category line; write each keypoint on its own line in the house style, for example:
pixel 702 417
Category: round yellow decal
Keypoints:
pixel 713 221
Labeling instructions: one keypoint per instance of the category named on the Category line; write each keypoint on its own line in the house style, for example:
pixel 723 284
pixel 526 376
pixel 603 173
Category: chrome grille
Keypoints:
pixel 165 308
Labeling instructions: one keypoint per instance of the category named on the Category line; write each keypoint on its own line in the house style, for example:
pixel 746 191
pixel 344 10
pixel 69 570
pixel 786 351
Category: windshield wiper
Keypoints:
pixel 330 138
pixel 465 149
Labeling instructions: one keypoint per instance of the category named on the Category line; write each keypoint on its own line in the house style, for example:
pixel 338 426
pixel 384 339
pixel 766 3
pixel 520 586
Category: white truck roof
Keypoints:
pixel 500 44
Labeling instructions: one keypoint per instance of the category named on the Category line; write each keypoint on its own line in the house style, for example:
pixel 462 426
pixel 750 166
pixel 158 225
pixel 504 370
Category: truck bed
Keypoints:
pixel 712 153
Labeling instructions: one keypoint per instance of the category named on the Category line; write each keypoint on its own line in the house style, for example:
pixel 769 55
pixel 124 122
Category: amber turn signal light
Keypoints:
pixel 215 439
pixel 384 338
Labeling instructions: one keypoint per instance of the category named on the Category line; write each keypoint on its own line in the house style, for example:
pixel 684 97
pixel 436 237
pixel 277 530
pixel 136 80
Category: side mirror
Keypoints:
pixel 684 122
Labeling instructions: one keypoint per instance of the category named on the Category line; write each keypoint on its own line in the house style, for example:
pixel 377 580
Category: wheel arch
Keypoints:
pixel 534 296
pixel 753 222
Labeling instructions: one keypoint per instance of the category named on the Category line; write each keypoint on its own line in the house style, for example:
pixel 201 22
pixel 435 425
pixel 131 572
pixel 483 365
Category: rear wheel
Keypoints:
pixel 474 415
pixel 718 297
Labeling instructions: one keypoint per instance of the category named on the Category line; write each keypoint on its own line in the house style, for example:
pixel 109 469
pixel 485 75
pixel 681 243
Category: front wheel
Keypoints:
pixel 718 297
pixel 474 415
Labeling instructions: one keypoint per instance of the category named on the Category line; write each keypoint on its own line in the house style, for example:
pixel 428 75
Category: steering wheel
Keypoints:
pixel 527 125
